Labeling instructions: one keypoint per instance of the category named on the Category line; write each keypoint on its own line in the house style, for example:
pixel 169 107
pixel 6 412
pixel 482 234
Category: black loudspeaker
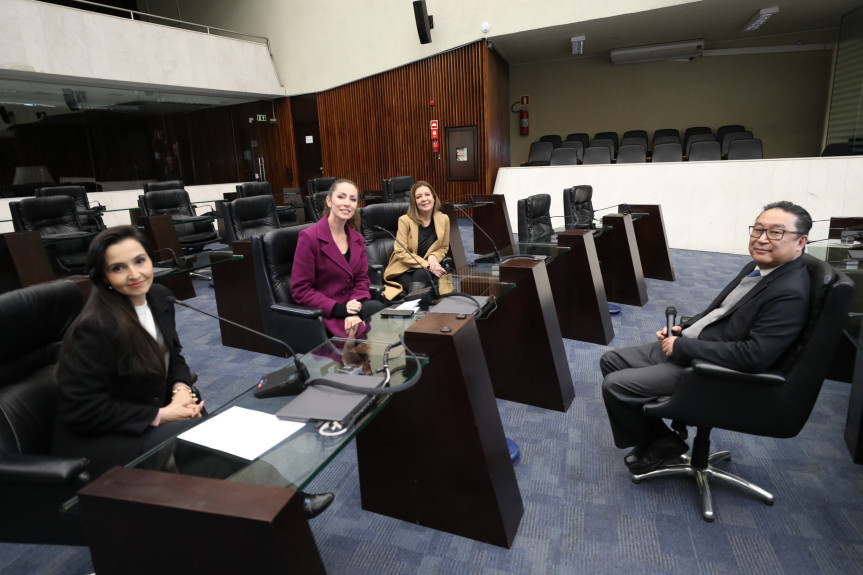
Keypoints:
pixel 425 23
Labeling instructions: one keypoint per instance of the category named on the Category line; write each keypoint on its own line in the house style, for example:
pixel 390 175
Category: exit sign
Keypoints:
pixel 262 117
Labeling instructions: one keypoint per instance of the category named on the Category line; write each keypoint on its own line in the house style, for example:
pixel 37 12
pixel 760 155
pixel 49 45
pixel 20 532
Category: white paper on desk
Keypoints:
pixel 242 432
pixel 413 304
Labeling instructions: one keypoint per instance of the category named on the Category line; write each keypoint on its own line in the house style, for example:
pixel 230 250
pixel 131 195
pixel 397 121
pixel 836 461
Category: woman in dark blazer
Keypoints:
pixel 124 386
pixel 331 269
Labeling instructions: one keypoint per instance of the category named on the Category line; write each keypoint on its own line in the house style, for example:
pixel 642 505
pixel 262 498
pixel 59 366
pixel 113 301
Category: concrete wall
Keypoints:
pixel 706 206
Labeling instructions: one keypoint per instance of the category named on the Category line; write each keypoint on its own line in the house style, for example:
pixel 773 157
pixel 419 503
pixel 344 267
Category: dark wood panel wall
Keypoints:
pixel 378 127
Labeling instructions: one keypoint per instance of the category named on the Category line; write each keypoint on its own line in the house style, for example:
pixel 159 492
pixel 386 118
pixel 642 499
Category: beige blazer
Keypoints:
pixel 408 234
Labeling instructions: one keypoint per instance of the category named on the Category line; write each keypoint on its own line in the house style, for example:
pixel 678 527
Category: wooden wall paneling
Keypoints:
pixel 213 147
pixel 497 115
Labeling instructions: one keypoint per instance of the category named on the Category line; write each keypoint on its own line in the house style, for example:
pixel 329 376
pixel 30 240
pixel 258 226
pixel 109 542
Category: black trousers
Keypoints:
pixel 408 278
pixel 632 377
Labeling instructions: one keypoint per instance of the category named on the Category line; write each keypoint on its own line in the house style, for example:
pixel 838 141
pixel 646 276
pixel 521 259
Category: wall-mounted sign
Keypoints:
pixel 262 117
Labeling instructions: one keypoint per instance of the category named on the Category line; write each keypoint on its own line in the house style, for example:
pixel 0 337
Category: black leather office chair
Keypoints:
pixel 166 185
pixel 299 326
pixel 578 208
pixel 247 217
pixel 772 404
pixel 287 214
pixel 193 231
pixel 380 245
pixel 315 204
pixel 90 216
pixel 316 185
pixel 397 189
pixel 34 484
pixel 56 219
pixel 534 221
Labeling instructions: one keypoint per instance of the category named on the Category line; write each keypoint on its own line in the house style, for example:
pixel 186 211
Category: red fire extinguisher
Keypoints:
pixel 524 122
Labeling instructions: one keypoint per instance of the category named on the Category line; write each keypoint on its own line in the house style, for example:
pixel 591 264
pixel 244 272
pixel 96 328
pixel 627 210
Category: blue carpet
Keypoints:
pixel 582 512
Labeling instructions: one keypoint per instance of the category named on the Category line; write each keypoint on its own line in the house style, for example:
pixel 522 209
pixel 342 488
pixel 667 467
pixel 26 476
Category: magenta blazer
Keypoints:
pixel 322 277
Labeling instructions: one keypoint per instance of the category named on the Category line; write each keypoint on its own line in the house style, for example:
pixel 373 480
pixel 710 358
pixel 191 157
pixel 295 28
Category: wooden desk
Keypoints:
pixel 620 261
pixel 652 242
pixel 578 290
pixel 23 261
pixel 160 232
pixel 522 341
pixel 436 455
pixel 494 220
pixel 456 246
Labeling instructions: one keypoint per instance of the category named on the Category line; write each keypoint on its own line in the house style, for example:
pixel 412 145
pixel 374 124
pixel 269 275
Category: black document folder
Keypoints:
pixel 322 403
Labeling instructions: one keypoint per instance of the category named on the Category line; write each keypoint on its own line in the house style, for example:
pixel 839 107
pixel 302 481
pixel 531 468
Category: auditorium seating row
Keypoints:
pixel 698 144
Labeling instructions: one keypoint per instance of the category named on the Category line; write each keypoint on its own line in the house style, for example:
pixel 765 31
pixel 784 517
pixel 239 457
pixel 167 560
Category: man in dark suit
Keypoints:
pixel 747 327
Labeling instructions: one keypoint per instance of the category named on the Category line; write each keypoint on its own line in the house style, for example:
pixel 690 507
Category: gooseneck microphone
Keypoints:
pixel 494 259
pixel 427 297
pixel 670 317
pixel 289 380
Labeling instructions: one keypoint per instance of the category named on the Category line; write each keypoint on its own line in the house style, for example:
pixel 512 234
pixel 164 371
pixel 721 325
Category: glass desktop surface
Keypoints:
pixel 193 262
pixel 545 250
pixel 835 253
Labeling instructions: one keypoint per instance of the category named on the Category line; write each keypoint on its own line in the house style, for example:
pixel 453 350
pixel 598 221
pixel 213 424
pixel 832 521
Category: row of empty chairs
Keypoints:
pixel 698 144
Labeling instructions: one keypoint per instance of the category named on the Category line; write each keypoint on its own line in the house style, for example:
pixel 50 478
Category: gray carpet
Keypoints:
pixel 582 512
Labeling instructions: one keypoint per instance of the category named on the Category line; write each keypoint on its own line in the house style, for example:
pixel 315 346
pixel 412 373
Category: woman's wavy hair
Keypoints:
pixel 137 351
pixel 354 222
pixel 413 210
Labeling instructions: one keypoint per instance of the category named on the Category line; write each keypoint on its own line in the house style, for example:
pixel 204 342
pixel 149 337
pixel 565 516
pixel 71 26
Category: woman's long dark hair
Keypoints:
pixel 137 352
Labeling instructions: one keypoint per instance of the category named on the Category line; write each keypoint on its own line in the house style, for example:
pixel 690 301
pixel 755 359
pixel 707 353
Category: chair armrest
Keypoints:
pixel 297 310
pixel 43 469
pixel 192 219
pixel 711 369
pixel 377 293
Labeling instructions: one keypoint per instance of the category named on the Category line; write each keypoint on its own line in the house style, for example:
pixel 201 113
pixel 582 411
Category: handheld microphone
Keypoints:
pixel 426 297
pixel 289 380
pixel 493 259
pixel 670 316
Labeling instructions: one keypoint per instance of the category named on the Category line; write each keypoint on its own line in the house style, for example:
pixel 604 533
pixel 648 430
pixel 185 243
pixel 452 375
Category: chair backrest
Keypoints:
pixel 578 207
pixel 635 134
pixel 273 260
pixel 727 129
pixel 748 149
pixel 316 185
pixel 597 155
pixel 75 192
pixel 837 149
pixel 669 139
pixel 540 154
pixel 249 216
pixel 670 152
pixel 607 142
pixel 692 131
pixel 632 154
pixel 166 185
pixel 315 204
pixel 694 138
pixel 174 202
pixel 380 245
pixel 251 189
pixel 665 132
pixel 704 151
pixel 49 215
pixel 41 315
pixel 397 189
pixel 553 138
pixel 575 145
pixel 582 137
pixel 564 156
pixel 608 136
pixel 634 141
pixel 534 221
pixel 731 136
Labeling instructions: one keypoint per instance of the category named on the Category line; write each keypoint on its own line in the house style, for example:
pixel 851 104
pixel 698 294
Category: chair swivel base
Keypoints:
pixel 702 475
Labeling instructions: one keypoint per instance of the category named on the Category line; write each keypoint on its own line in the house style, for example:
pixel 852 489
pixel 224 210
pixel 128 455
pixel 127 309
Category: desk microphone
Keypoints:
pixel 179 262
pixel 289 380
pixel 670 316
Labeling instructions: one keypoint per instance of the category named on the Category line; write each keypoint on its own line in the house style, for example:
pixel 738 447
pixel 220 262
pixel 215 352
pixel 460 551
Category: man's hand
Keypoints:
pixel 675 331
pixel 668 345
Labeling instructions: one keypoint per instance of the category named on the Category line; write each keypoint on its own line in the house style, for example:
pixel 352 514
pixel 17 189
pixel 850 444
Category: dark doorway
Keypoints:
pixel 307 139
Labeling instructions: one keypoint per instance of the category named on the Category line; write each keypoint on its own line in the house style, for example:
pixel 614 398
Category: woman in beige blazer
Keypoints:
pixel 425 231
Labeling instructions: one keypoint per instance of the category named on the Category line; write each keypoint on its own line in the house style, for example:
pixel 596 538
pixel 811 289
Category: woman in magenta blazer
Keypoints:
pixel 331 269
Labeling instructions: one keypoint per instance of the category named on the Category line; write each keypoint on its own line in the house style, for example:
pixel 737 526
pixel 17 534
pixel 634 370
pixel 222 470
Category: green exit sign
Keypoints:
pixel 262 117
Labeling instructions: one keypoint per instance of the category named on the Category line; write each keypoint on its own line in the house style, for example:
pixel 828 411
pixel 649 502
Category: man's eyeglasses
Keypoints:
pixel 772 234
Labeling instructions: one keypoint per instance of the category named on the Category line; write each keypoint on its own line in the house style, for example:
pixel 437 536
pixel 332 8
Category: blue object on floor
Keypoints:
pixel 514 451
pixel 211 284
pixel 614 309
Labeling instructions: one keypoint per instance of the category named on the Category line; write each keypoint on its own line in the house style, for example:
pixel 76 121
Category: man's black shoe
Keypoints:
pixel 634 455
pixel 657 452
pixel 315 503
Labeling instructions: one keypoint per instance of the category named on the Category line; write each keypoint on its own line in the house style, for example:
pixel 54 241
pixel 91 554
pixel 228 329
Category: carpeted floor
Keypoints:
pixel 582 512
